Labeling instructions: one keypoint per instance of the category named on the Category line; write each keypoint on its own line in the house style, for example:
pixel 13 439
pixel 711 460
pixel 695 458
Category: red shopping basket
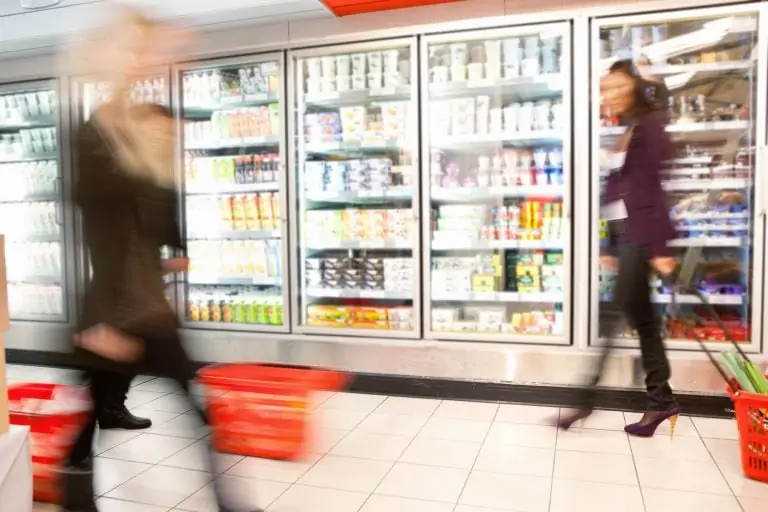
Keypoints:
pixel 752 419
pixel 262 410
pixel 54 415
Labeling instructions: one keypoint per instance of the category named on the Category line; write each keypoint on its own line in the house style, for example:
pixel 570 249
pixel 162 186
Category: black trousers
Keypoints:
pixel 165 357
pixel 632 303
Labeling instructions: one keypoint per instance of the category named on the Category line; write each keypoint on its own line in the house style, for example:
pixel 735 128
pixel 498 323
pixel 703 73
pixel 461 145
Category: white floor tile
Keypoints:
pixel 575 496
pixel 658 499
pixel 752 504
pixel 392 424
pixel 161 486
pixel 158 385
pixel 662 447
pixel 148 448
pixel 112 505
pixel 318 398
pixel 599 420
pixel 195 457
pixel 455 430
pixel 516 460
pixel 339 419
pixel 378 503
pixel 717 428
pixel 683 428
pixel 743 487
pixel 276 470
pixel 440 452
pixel 405 406
pixel 346 474
pixel 108 439
pixel 241 494
pixel 533 436
pixel 475 411
pixel 170 403
pixel 322 440
pixel 726 452
pixel 185 425
pixel 599 441
pixel 301 498
pixel 371 446
pixel 467 508
pixel 680 475
pixel 111 473
pixel 141 398
pixel 595 467
pixel 423 483
pixel 507 492
pixel 529 414
pixel 353 402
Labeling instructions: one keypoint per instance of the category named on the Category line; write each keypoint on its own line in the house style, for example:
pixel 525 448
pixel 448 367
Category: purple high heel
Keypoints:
pixel 651 420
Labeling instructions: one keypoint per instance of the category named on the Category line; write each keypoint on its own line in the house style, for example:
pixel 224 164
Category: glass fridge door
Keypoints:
pixel 497 138
pixel 232 138
pixel 356 140
pixel 707 60
pixel 31 203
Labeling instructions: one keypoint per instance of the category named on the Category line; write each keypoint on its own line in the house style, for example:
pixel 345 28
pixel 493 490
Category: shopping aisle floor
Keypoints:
pixel 384 454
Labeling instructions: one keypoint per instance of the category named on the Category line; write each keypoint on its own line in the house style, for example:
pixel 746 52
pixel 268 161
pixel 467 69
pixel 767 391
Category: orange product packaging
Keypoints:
pixel 235 125
pixel 225 212
pixel 238 212
pixel 370 318
pixel 275 202
pixel 265 211
pixel 252 217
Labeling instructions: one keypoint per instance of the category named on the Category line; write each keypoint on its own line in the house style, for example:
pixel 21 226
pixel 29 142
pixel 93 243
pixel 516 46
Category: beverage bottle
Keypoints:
pixel 252 212
pixel 225 210
pixel 238 212
pixel 249 170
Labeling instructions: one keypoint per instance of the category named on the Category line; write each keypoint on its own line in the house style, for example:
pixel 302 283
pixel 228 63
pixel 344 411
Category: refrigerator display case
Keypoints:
pixel 232 138
pixel 708 62
pixel 31 203
pixel 355 129
pixel 496 176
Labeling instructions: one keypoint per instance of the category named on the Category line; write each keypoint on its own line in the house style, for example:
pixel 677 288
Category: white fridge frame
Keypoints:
pixel 565 29
pixel 178 105
pixel 755 296
pixel 296 152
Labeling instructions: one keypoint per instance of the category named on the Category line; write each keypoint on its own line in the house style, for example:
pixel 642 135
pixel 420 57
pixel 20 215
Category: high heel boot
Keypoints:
pixel 651 420
pixel 77 488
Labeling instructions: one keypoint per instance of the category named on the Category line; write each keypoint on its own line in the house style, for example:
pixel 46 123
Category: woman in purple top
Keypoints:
pixel 634 206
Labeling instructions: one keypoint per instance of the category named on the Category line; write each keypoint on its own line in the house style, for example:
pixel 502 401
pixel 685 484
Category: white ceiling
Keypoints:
pixel 23 30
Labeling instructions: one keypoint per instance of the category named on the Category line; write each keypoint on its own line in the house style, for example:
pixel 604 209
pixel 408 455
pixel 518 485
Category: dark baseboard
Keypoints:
pixel 452 389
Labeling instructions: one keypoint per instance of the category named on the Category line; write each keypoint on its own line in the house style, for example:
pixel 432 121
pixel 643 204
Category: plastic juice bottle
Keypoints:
pixel 271 307
pixel 225 209
pixel 275 204
pixel 252 314
pixel 238 212
pixel 274 118
pixel 229 163
pixel 252 220
pixel 279 319
pixel 262 311
pixel 240 314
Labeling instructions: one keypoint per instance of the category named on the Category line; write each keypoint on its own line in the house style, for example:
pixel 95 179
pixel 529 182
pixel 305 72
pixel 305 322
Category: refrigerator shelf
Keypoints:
pixel 32 122
pixel 379 145
pixel 234 280
pixel 319 293
pixel 447 194
pixel 479 245
pixel 712 216
pixel 359 244
pixel 548 297
pixel 716 300
pixel 700 67
pixel 706 184
pixel 711 130
pixel 233 188
pixel 472 141
pixel 54 280
pixel 360 196
pixel 244 234
pixel 247 142
pixel 709 242
pixel 358 97
pixel 524 87
pixel 33 239
pixel 31 198
pixel 231 103
pixel 11 159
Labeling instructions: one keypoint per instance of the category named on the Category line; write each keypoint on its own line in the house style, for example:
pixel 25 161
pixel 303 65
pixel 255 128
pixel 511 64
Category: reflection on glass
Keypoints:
pixel 30 204
pixel 356 171
pixel 496 177
pixel 708 67
pixel 232 164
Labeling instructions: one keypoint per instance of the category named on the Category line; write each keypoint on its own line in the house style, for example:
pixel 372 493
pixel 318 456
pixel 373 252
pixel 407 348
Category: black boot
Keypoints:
pixel 77 488
pixel 120 417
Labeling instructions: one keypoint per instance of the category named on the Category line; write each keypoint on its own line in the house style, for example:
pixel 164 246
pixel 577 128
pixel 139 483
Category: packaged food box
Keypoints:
pixel 334 263
pixel 327 316
pixel 528 279
pixel 330 274
pixel 484 283
pixel 370 318
pixel 552 278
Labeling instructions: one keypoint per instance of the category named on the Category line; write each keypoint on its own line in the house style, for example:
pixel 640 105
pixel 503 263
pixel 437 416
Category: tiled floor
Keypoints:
pixel 383 454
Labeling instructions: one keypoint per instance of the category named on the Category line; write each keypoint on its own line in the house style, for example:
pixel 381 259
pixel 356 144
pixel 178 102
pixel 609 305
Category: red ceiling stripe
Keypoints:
pixel 351 7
